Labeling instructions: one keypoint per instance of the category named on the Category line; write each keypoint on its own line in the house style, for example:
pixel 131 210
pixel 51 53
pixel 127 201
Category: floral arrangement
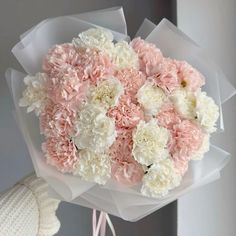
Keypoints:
pixel 121 111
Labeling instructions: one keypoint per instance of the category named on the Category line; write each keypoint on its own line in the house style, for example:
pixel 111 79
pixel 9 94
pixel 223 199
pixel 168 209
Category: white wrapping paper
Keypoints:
pixel 115 199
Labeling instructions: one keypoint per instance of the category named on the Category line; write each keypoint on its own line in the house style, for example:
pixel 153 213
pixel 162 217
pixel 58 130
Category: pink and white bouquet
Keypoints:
pixel 121 122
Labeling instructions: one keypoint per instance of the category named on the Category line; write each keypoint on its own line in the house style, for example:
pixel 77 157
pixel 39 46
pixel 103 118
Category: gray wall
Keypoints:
pixel 16 16
pixel 212 25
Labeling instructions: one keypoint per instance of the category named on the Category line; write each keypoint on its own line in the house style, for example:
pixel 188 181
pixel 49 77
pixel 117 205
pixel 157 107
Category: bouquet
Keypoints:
pixel 116 124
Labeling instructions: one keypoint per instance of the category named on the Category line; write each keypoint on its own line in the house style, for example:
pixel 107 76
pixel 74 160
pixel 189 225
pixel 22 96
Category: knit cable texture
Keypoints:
pixel 26 210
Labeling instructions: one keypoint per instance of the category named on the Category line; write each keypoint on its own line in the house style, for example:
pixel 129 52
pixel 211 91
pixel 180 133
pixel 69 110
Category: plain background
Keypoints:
pixel 17 16
pixel 211 210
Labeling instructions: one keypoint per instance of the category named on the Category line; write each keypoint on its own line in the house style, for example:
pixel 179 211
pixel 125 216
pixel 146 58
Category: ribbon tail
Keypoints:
pixel 94 220
pixel 100 225
pixel 103 225
pixel 110 225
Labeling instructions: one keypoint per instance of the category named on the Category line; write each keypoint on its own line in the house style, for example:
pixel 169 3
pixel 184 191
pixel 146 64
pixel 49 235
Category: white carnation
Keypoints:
pixel 149 142
pixel 93 167
pixel 205 146
pixel 151 97
pixel 107 92
pixel 94 130
pixel 184 102
pixel 34 96
pixel 97 38
pixel 161 178
pixel 207 112
pixel 124 56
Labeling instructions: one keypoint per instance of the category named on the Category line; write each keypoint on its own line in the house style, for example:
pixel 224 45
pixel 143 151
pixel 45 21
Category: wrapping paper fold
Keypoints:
pixel 124 202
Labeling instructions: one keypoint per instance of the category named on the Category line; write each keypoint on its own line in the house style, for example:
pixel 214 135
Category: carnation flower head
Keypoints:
pixel 189 77
pixel 93 65
pixel 34 96
pixel 60 58
pixel 149 55
pixel 121 149
pixel 107 92
pixel 67 89
pixel 160 178
pixel 151 97
pixel 126 114
pixel 94 130
pixel 57 120
pixel 95 38
pixel 184 102
pixel 149 142
pixel 124 56
pixel 92 166
pixel 186 139
pixel 125 169
pixel 166 76
pixel 60 152
pixel 128 173
pixel 132 80
pixel 168 116
pixel 207 112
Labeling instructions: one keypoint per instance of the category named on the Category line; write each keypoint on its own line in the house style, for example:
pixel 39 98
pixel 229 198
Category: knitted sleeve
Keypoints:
pixel 26 210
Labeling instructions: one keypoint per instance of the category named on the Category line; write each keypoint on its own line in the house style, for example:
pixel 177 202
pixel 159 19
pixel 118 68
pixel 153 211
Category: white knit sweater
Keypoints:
pixel 26 210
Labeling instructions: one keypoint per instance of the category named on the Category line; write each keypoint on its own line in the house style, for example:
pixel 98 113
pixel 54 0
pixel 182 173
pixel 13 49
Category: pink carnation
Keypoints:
pixel 127 173
pixel 61 153
pixel 56 120
pixel 125 169
pixel 121 149
pixel 132 80
pixel 189 77
pixel 168 116
pixel 67 88
pixel 186 138
pixel 166 76
pixel 149 56
pixel 59 58
pixel 90 64
pixel 93 64
pixel 126 114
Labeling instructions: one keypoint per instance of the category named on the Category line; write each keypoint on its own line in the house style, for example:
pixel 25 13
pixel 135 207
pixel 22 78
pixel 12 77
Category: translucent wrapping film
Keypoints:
pixel 124 202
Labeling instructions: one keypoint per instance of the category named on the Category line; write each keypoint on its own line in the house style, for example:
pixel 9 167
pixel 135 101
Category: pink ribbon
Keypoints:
pixel 100 225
